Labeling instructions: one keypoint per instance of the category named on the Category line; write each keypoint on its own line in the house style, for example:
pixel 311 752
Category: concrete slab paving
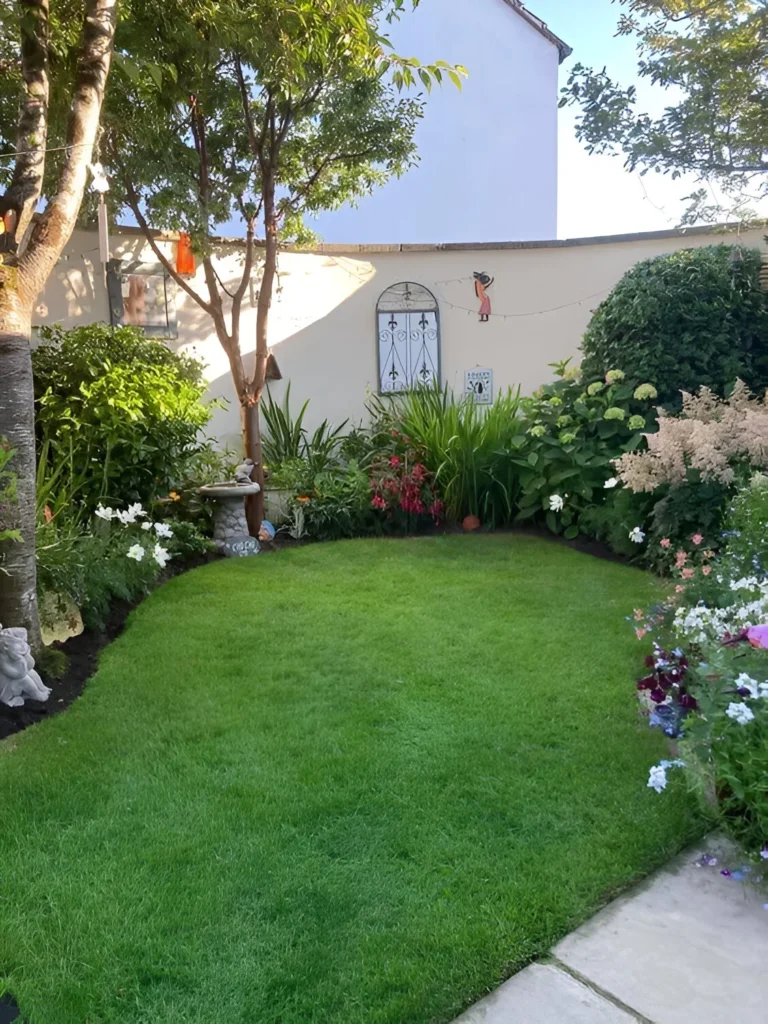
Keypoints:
pixel 686 947
pixel 544 994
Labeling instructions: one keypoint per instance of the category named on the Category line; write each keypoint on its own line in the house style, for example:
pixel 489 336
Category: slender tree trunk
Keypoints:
pixel 18 593
pixel 252 399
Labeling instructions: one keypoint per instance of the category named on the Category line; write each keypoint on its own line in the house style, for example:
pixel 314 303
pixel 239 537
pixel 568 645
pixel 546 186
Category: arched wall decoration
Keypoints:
pixel 408 328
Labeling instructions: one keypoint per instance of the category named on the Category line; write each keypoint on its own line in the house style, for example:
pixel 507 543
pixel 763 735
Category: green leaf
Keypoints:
pixel 571 533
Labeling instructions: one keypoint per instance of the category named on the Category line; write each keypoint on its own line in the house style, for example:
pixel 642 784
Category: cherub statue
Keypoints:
pixel 243 472
pixel 18 678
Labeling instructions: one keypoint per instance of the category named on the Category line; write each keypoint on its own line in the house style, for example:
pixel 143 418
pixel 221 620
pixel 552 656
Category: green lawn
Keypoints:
pixel 355 783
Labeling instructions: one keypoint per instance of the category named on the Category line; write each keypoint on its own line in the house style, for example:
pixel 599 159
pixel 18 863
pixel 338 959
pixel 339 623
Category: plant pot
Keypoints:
pixel 276 505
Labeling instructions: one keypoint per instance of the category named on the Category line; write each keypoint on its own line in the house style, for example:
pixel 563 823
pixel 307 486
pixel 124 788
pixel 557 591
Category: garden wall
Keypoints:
pixel 324 326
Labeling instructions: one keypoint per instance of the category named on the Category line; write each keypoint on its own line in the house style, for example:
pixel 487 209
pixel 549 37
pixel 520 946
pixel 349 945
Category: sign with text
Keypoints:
pixel 479 384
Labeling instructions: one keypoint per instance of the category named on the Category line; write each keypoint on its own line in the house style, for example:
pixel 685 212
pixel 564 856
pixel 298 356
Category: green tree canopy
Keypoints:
pixel 713 57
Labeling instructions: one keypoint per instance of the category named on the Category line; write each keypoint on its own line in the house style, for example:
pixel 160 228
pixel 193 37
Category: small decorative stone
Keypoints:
pixel 18 679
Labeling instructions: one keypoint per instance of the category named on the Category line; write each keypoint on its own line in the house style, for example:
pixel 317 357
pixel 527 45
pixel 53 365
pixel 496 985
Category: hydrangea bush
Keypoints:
pixel 573 433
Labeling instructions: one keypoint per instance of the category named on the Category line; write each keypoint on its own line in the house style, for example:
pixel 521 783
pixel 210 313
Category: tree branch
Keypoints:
pixel 133 201
pixel 53 230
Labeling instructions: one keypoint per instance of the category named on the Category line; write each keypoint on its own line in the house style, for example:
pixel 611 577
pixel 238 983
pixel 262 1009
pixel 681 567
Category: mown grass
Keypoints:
pixel 356 782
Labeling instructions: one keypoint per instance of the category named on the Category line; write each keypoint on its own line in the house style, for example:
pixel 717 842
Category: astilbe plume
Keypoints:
pixel 709 435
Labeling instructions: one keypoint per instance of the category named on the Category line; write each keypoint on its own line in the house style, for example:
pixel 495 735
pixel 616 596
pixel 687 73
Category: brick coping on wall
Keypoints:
pixel 326 248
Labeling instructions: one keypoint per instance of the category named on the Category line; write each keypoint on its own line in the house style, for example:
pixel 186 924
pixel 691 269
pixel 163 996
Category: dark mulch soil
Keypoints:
pixel 9 1011
pixel 82 660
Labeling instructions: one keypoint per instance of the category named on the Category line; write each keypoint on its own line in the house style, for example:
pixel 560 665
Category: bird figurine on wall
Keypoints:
pixel 483 282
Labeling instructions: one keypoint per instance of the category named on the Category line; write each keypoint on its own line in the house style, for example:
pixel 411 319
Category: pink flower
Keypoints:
pixel 706 569
pixel 379 502
pixel 681 558
pixel 679 589
pixel 394 462
pixel 640 633
pixel 687 573
pixel 697 539
pixel 665 542
pixel 758 637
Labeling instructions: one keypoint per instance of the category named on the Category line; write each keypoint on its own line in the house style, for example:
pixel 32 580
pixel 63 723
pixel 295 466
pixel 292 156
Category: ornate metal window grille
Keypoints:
pixel 409 338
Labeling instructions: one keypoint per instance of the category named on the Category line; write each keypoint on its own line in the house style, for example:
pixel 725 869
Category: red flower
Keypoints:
pixel 394 461
pixel 379 502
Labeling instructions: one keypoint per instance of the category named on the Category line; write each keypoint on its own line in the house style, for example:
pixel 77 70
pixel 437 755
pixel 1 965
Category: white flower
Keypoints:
pixel 657 777
pixel 610 484
pixel 136 552
pixel 146 526
pixel 556 503
pixel 636 535
pixel 131 514
pixel 739 713
pixel 136 510
pixel 745 682
pixel 162 530
pixel 104 513
pixel 160 555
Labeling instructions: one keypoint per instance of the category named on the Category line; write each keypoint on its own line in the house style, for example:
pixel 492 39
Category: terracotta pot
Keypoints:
pixel 471 523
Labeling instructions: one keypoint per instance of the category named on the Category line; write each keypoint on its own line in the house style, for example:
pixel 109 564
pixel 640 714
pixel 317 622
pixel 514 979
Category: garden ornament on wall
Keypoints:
pixel 18 679
pixel 483 282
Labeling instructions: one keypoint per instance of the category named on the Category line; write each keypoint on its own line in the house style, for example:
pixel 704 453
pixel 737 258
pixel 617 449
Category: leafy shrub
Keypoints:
pixel 707 678
pixel 572 435
pixel 746 530
pixel 465 447
pixel 116 556
pixel 338 506
pixel 683 320
pixel 694 463
pixel 7 489
pixel 118 415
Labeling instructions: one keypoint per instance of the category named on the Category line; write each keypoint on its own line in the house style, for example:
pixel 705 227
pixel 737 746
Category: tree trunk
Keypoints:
pixel 252 400
pixel 254 508
pixel 18 584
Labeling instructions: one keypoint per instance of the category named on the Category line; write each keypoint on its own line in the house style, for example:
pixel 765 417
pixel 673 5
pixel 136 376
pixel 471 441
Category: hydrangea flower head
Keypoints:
pixel 636 423
pixel 614 376
pixel 614 413
pixel 646 392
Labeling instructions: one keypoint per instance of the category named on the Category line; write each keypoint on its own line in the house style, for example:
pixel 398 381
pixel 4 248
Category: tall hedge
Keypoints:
pixel 689 318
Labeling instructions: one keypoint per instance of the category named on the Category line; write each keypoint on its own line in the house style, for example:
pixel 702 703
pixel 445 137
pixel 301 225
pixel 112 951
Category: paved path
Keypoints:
pixel 688 946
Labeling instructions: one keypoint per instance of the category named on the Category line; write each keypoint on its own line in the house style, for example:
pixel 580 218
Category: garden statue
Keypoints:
pixel 243 473
pixel 18 678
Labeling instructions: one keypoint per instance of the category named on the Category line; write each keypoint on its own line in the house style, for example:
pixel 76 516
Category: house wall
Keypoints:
pixel 323 328
pixel 488 154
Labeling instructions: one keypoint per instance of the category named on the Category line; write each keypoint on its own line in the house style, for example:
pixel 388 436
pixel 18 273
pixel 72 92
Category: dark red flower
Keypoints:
pixel 394 461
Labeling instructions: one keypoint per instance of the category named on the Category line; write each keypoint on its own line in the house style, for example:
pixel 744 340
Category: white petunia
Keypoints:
pixel 556 503
pixel 146 526
pixel 136 552
pixel 104 513
pixel 163 530
pixel 636 535
pixel 739 713
pixel 657 777
pixel 161 555
pixel 610 484
pixel 745 682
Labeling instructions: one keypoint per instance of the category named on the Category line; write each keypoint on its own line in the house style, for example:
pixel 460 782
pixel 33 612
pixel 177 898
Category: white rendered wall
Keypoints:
pixel 488 167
